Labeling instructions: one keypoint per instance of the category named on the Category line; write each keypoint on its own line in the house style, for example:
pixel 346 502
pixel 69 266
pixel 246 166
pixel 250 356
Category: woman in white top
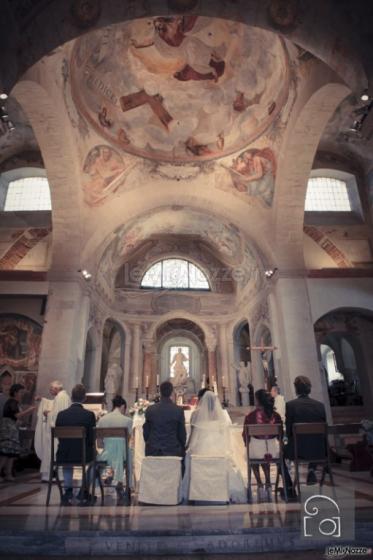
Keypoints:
pixel 210 437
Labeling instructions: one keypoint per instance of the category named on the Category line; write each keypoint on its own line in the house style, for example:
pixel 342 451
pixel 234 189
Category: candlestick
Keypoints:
pixel 147 382
pixel 157 380
pixel 137 394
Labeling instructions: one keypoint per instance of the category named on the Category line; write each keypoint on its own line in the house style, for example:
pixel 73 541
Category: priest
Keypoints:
pixel 46 420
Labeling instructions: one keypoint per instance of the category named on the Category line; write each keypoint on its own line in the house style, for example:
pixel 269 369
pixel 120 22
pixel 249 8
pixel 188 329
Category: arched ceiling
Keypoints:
pixel 192 114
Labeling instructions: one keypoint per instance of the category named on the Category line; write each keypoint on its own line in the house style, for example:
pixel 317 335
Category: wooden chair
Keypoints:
pixel 100 434
pixel 68 432
pixel 273 430
pixel 315 429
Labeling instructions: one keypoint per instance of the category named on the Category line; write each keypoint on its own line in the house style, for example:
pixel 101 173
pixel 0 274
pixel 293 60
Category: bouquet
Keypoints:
pixel 139 407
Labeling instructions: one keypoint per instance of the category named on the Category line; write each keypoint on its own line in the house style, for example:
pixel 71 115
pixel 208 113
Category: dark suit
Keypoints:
pixel 303 409
pixel 164 429
pixel 69 450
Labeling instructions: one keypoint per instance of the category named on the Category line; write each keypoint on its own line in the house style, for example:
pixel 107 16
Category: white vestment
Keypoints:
pixel 280 406
pixel 43 428
pixel 210 437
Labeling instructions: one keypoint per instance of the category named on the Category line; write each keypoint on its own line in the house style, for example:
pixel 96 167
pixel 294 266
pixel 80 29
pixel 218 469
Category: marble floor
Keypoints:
pixel 27 524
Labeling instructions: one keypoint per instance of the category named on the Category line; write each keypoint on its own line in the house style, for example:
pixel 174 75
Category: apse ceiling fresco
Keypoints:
pixel 182 88
pixel 224 238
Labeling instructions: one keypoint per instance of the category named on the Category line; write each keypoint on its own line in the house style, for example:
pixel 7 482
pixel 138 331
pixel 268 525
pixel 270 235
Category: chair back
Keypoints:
pixel 309 429
pixel 102 433
pixel 271 430
pixel 69 432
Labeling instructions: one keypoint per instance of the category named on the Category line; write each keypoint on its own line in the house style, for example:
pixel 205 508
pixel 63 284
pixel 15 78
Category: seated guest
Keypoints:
pixel 265 447
pixel 114 452
pixel 10 446
pixel 279 401
pixel 303 409
pixel 70 450
pixel 164 428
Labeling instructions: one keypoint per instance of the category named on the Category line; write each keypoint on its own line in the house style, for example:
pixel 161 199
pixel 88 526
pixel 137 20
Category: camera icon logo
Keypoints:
pixel 319 519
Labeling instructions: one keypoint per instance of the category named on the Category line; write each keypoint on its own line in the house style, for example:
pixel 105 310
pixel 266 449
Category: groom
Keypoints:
pixel 164 428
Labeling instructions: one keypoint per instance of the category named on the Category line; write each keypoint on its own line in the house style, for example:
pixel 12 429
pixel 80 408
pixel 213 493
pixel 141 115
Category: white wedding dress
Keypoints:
pixel 210 437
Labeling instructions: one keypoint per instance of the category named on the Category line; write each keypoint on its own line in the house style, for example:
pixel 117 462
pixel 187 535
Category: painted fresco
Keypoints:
pixel 180 88
pixel 20 341
pixel 105 171
pixel 253 172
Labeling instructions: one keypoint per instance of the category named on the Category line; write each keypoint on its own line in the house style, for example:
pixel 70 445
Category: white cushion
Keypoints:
pixel 160 481
pixel 209 479
pixel 259 448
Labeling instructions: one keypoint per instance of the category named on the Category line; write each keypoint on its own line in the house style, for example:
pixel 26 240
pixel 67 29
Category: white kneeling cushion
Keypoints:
pixel 160 481
pixel 209 479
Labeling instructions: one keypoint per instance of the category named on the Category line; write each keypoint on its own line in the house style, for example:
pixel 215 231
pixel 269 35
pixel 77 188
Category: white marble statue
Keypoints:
pixel 112 382
pixel 245 379
pixel 180 372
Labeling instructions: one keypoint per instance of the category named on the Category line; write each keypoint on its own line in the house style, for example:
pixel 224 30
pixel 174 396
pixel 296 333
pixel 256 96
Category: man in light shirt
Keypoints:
pixel 279 401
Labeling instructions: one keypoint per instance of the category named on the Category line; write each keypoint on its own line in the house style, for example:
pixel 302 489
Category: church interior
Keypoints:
pixel 186 194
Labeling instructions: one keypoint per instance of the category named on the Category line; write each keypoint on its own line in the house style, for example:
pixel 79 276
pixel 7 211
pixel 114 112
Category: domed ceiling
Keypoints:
pixel 180 88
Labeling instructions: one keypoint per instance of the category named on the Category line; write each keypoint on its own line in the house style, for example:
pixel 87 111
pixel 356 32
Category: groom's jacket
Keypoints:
pixel 164 429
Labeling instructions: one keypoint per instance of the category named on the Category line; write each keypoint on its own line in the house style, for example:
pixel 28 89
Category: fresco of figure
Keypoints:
pixel 253 172
pixel 198 60
pixel 105 169
pixel 20 341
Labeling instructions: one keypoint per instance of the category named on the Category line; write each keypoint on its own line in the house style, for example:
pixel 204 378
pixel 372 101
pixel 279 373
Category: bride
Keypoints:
pixel 210 436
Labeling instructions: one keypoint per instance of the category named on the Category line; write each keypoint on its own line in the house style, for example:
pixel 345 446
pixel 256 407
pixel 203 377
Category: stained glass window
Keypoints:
pixel 175 274
pixel 326 194
pixel 28 193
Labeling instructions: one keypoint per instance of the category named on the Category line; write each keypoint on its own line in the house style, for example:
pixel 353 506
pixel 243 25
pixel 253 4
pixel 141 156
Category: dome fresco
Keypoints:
pixel 180 88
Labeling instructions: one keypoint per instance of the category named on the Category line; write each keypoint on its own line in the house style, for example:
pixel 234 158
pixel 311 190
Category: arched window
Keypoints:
pixel 175 274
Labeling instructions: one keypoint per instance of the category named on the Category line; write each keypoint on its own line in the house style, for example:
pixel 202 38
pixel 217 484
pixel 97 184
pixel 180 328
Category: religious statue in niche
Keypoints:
pixel 245 381
pixel 105 172
pixel 178 368
pixel 253 172
pixel 112 382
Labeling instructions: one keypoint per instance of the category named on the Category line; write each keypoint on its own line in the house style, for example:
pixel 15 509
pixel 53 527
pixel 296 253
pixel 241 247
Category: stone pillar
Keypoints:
pixel 148 365
pixel 296 337
pixel 223 351
pixel 135 362
pixel 211 357
pixel 274 323
pixel 232 393
pixel 64 334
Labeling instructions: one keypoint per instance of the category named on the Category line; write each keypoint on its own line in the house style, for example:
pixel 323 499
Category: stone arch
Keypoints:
pixel 59 155
pixel 180 314
pixel 355 326
pixel 300 144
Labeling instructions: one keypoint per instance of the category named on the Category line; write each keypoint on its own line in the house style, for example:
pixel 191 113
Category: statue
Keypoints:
pixel 112 381
pixel 245 379
pixel 179 370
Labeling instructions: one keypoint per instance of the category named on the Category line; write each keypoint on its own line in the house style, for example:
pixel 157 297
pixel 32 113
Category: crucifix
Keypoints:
pixel 263 349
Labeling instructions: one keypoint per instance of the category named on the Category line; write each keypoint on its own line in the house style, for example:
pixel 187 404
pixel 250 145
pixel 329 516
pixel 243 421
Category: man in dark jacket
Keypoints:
pixel 70 450
pixel 301 410
pixel 164 428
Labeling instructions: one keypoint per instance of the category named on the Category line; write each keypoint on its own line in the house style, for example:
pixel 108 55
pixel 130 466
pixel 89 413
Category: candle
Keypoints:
pixel 136 382
pixel 203 381
pixel 147 381
pixel 222 381
pixel 157 379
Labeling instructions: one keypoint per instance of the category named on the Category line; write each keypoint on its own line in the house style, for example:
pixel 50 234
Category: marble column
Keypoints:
pixel 135 361
pixel 211 357
pixel 296 338
pixel 64 335
pixel 148 366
